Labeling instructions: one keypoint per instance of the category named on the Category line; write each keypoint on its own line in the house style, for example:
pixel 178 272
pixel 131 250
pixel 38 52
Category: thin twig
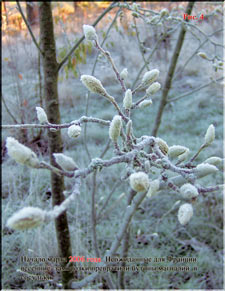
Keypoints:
pixel 29 29
pixel 82 38
pixel 7 109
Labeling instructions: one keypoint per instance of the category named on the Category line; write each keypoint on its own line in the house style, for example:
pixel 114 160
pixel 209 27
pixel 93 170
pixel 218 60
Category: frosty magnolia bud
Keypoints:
pixel 145 103
pixel 93 85
pixel 184 156
pixel 152 89
pixel 162 145
pixel 66 163
pixel 124 74
pixel 127 101
pixel 176 150
pixel 20 153
pixel 89 32
pixel 216 161
pixel 210 135
pixel 41 115
pixel 164 12
pixel 28 217
pixel 139 181
pixel 153 188
pixel 188 191
pixel 205 169
pixel 74 131
pixel 185 213
pixel 149 77
pixel 115 128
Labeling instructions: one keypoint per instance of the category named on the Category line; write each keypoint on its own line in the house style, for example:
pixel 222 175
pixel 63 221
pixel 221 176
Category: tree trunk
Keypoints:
pixel 170 73
pixel 54 138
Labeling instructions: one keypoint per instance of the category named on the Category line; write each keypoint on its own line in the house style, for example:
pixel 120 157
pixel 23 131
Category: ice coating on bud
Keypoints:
pixel 216 161
pixel 127 100
pixel 89 32
pixel 152 89
pixel 93 85
pixel 28 217
pixel 185 213
pixel 176 150
pixel 74 131
pixel 202 55
pixel 115 128
pixel 41 115
pixel 205 169
pixel 139 181
pixel 188 191
pixel 210 135
pixel 163 146
pixel 164 12
pixel 153 188
pixel 145 103
pixel 20 153
pixel 149 77
pixel 124 74
pixel 147 166
pixel 66 163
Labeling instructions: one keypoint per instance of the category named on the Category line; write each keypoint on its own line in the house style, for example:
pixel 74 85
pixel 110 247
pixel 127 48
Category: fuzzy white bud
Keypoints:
pixel 127 100
pixel 28 217
pixel 188 191
pixel 129 128
pixel 152 89
pixel 153 188
pixel 149 77
pixel 139 181
pixel 205 169
pixel 216 161
pixel 164 12
pixel 115 128
pixel 124 74
pixel 210 135
pixel 185 213
pixel 66 163
pixel 93 85
pixel 41 115
pixel 89 32
pixel 145 103
pixel 184 156
pixel 176 150
pixel 74 131
pixel 20 153
pixel 163 146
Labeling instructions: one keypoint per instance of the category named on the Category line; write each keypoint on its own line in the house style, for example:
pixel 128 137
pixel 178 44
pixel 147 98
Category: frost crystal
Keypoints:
pixel 139 181
pixel 66 163
pixel 20 153
pixel 185 213
pixel 28 217
pixel 41 115
pixel 89 32
pixel 210 135
pixel 115 128
pixel 188 191
pixel 93 85
pixel 127 101
pixel 74 131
